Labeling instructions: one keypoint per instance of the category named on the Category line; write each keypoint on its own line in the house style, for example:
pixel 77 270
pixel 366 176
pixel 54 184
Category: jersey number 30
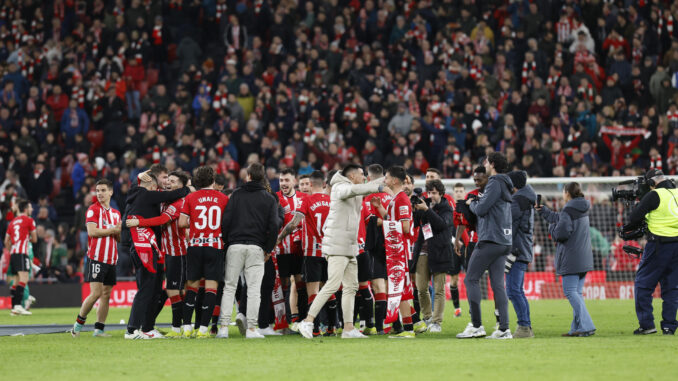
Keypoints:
pixel 208 217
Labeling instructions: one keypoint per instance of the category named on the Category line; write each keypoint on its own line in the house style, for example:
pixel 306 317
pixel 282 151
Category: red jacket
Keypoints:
pixel 58 104
pixel 134 75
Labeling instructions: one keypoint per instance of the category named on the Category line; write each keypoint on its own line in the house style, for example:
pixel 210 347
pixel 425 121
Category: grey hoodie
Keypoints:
pixel 522 214
pixel 493 209
pixel 570 229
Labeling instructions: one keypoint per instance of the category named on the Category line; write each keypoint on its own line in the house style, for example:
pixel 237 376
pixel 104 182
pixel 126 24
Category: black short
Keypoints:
pixel 175 272
pixel 289 264
pixel 379 267
pixel 205 262
pixel 19 262
pixel 456 264
pixel 100 272
pixel 364 267
pixel 315 269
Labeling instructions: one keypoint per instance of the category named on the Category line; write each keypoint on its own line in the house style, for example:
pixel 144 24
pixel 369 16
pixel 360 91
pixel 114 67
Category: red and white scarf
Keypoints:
pixel 587 91
pixel 527 68
pixel 144 244
pixel 656 162
pixel 78 94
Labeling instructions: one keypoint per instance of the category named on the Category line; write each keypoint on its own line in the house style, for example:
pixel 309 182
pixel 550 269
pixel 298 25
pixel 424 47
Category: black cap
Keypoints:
pixel 653 173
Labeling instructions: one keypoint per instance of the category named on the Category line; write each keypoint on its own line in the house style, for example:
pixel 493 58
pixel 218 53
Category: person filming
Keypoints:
pixel 659 263
pixel 574 256
pixel 433 250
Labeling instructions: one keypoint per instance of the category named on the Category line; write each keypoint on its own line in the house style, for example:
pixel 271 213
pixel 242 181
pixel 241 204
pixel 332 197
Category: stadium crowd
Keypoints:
pixel 103 89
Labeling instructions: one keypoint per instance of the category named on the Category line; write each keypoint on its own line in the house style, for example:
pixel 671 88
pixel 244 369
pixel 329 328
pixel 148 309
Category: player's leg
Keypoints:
pixel 176 279
pixel 300 286
pixel 102 310
pixel 454 294
pixel 266 316
pixel 193 275
pixel 217 308
pixel 21 264
pixel 214 272
pixel 285 273
pixel 364 297
pixel 311 269
pixel 95 292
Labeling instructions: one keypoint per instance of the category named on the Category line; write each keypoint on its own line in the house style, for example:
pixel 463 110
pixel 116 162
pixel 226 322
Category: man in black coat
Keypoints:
pixel 433 250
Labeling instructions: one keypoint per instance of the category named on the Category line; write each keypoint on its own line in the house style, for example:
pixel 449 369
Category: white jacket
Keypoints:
pixel 341 226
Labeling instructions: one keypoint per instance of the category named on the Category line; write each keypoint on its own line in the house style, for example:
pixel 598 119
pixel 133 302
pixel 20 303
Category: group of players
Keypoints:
pixel 191 255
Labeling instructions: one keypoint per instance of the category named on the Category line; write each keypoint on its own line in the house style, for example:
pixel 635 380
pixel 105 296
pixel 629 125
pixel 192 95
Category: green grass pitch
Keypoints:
pixel 612 354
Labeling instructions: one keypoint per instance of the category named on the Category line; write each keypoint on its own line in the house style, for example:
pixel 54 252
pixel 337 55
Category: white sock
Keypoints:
pixel 188 327
pixel 176 329
pixel 203 329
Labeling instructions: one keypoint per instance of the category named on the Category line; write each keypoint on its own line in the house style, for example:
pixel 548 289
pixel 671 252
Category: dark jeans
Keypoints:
pixel 487 256
pixel 659 264
pixel 516 293
pixel 146 291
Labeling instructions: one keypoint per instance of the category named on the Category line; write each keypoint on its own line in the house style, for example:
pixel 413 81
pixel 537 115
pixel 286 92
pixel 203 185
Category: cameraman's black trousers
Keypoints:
pixel 487 256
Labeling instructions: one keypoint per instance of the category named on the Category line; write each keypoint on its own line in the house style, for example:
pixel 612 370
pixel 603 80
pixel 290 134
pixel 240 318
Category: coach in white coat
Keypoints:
pixel 340 245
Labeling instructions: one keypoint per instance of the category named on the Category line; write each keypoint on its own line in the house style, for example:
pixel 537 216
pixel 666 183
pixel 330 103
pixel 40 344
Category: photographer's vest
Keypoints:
pixel 663 221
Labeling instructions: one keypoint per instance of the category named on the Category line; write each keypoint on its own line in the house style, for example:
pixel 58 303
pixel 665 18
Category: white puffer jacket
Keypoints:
pixel 341 226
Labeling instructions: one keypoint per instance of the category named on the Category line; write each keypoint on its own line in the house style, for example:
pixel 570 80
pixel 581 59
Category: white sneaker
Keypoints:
pixel 20 310
pixel 306 329
pixel 435 328
pixel 499 335
pixel 353 334
pixel 223 332
pixel 136 335
pixel 30 301
pixel 154 334
pixel 269 331
pixel 472 332
pixel 253 334
pixel 241 322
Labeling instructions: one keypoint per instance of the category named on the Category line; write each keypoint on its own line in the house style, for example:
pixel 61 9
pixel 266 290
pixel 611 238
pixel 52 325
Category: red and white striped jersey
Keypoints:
pixel 173 240
pixel 400 209
pixel 292 243
pixel 19 231
pixel 102 249
pixel 204 209
pixel 315 209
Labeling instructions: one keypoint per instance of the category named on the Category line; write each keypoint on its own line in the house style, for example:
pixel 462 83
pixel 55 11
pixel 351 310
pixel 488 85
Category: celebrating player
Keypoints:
pixel 313 212
pixel 103 232
pixel 173 245
pixel 19 232
pixel 201 213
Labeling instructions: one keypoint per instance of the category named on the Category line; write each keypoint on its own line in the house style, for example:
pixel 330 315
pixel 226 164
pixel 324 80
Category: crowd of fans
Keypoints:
pixel 105 88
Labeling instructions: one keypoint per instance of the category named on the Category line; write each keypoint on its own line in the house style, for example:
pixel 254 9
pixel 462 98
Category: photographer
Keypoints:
pixel 659 263
pixel 522 214
pixel 574 256
pixel 433 250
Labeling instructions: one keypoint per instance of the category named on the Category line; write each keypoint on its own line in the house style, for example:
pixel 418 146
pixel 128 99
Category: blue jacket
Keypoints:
pixel 570 229
pixel 494 211
pixel 522 215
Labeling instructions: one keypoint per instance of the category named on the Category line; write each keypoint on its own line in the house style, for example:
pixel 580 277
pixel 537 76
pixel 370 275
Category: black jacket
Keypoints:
pixel 440 252
pixel 145 203
pixel 251 217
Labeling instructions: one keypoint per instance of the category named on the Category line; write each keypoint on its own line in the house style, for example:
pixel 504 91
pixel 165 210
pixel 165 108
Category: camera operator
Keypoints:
pixel 574 256
pixel 433 250
pixel 659 263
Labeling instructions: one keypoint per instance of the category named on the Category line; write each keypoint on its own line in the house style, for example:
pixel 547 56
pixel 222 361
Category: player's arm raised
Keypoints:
pixel 289 228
